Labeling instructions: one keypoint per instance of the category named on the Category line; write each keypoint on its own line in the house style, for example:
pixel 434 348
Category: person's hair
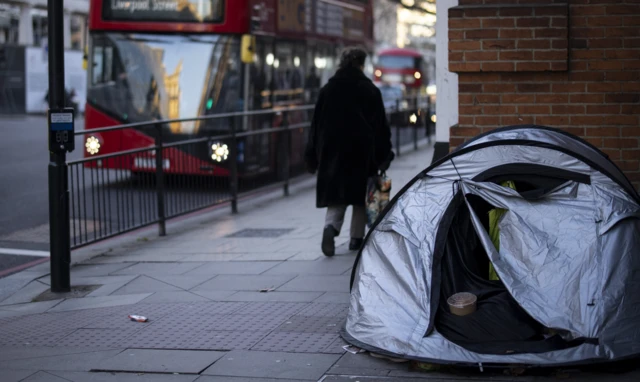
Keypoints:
pixel 352 58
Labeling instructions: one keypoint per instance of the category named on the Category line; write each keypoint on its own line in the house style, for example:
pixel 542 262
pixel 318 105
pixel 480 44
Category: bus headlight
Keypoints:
pixel 219 152
pixel 433 118
pixel 378 73
pixel 413 119
pixel 92 145
pixel 417 75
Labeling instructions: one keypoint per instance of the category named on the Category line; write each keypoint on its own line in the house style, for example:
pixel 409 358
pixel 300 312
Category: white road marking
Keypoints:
pixel 23 252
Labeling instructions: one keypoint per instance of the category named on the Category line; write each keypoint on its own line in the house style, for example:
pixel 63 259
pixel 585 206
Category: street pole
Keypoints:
pixel 58 187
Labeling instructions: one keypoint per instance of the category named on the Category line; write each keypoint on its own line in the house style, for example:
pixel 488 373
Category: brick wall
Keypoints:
pixel 572 64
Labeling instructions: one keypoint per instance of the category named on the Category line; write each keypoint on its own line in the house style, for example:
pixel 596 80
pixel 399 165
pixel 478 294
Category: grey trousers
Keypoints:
pixel 335 218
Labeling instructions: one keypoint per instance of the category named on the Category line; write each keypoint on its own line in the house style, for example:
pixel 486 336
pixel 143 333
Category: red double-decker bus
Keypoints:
pixel 171 59
pixel 401 66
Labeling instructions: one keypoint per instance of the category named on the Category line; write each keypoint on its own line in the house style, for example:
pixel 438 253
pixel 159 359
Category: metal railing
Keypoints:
pixel 115 193
pixel 408 117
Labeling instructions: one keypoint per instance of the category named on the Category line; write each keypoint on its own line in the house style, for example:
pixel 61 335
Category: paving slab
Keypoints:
pixel 325 310
pixel 43 376
pixel 243 282
pixel 308 255
pixel 312 324
pixel 177 296
pixel 79 376
pixel 206 257
pixel 8 313
pixel 335 297
pixel 29 308
pixel 145 284
pixel 98 302
pixel 12 284
pixel 39 271
pixel 307 283
pixel 257 364
pixel 26 294
pixel 295 342
pixel 160 361
pixel 183 281
pixel 207 378
pixel 225 340
pixel 156 337
pixel 365 365
pixel 137 258
pixel 93 280
pixel 349 378
pixel 71 362
pixel 326 266
pixel 213 295
pixel 50 339
pixel 91 270
pixel 274 296
pixel 99 338
pixel 16 375
pixel 190 247
pixel 232 268
pixel 158 269
pixel 8 353
pixel 107 289
pixel 272 309
pixel 336 347
pixel 461 375
pixel 272 256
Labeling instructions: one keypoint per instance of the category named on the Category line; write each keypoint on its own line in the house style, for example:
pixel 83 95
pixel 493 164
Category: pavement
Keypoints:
pixel 245 297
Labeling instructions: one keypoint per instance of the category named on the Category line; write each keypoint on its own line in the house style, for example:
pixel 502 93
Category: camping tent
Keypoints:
pixel 568 263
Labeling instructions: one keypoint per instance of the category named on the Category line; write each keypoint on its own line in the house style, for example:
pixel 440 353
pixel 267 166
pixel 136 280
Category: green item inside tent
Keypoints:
pixel 494 231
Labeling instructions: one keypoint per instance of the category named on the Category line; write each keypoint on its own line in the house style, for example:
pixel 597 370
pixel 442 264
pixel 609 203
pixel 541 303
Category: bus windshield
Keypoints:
pixel 397 62
pixel 137 77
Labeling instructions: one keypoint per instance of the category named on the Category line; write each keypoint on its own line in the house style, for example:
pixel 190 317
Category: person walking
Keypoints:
pixel 349 141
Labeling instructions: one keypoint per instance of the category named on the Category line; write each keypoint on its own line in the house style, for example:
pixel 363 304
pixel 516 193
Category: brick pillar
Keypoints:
pixel 571 64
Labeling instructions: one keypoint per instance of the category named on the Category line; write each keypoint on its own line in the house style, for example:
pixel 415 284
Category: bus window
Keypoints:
pixel 140 77
pixel 98 65
pixel 289 78
pixel 396 62
pixel 102 57
pixel 325 62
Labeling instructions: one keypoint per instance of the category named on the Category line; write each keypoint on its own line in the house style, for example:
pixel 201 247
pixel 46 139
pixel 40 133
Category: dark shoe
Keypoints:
pixel 355 244
pixel 328 243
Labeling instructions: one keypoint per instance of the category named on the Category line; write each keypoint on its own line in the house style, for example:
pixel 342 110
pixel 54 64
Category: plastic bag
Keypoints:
pixel 378 194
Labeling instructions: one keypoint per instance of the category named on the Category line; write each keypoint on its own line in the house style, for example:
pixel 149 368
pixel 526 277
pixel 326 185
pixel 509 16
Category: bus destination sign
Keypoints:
pixel 163 10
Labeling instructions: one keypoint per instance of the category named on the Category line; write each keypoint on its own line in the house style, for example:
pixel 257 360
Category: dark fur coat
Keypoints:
pixel 349 138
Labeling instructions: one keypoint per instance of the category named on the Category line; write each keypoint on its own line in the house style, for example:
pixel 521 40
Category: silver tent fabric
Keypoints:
pixel 570 259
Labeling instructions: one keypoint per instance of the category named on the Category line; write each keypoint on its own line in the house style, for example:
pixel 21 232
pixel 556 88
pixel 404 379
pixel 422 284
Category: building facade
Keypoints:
pixel 395 25
pixel 572 64
pixel 24 54
pixel 24 22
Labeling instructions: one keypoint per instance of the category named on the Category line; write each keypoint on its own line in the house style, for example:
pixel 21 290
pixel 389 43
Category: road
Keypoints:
pixel 23 170
pixel 23 189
